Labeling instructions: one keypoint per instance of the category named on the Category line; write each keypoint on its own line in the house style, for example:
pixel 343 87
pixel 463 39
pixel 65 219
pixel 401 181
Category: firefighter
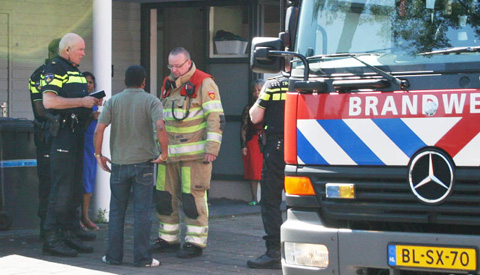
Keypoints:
pixel 65 93
pixel 40 135
pixel 194 122
pixel 269 108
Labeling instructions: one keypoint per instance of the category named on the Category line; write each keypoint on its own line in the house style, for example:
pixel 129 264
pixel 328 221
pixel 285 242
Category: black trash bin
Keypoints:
pixel 18 175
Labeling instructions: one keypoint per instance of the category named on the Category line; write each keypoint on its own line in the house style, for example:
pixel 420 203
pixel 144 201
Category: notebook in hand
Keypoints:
pixel 98 94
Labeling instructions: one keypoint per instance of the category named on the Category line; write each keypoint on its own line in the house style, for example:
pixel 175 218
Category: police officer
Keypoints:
pixel 65 93
pixel 194 121
pixel 40 135
pixel 269 108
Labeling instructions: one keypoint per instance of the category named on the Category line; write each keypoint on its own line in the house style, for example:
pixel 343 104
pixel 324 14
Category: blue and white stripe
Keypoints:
pixel 390 141
pixel 18 163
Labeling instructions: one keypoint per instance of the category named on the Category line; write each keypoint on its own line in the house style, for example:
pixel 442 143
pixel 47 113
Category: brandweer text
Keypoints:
pixel 426 104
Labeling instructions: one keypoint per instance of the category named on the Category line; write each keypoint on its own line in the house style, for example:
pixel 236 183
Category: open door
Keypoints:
pixel 178 27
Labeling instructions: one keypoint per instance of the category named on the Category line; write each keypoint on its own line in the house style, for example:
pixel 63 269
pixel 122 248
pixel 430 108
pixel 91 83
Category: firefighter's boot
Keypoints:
pixel 189 251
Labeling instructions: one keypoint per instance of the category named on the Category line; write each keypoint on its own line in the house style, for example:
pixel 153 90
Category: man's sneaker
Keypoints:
pixel 189 251
pixel 73 241
pixel 154 263
pixel 265 262
pixel 160 245
pixel 105 261
pixel 85 235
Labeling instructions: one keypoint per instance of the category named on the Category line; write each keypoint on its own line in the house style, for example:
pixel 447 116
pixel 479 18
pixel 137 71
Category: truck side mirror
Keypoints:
pixel 291 19
pixel 260 59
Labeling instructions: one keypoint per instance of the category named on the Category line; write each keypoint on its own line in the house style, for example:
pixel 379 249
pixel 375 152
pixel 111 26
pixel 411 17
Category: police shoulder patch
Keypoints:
pixel 48 78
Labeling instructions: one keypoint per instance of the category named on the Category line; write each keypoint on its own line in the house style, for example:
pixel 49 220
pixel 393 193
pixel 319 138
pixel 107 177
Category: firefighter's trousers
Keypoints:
pixel 183 184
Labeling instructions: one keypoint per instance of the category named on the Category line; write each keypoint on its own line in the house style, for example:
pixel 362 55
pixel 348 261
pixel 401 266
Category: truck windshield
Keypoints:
pixel 388 32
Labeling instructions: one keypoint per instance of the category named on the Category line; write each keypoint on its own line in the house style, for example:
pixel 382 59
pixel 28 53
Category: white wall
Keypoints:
pixel 32 24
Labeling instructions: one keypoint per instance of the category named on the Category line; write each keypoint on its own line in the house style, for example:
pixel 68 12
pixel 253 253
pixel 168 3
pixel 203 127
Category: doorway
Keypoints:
pixel 179 27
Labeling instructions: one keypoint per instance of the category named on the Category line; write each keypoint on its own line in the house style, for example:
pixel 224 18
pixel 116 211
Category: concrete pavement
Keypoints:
pixel 235 236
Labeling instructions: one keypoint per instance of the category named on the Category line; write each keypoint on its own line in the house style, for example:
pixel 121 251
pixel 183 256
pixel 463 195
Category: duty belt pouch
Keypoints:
pixel 262 140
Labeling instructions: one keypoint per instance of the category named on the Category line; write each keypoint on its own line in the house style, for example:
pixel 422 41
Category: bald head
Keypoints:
pixel 72 48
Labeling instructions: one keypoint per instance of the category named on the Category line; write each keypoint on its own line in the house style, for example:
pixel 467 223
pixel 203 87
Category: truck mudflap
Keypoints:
pixel 363 250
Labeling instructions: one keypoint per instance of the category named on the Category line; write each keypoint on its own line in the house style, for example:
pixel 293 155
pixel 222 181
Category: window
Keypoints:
pixel 229 31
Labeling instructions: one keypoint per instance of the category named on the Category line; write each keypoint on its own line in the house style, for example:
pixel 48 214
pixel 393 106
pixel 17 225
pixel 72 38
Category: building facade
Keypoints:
pixel 216 32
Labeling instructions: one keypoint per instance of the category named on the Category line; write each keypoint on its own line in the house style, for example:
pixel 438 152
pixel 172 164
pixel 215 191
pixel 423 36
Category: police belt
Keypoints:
pixel 71 120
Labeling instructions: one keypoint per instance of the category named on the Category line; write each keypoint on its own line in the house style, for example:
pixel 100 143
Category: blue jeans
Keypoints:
pixel 138 176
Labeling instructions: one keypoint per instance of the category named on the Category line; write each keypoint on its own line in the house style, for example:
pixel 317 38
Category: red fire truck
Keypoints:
pixel 382 135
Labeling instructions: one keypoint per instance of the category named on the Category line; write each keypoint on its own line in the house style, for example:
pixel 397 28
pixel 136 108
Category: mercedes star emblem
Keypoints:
pixel 431 176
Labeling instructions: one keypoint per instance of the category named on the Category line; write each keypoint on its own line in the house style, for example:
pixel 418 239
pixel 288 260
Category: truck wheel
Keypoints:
pixel 5 221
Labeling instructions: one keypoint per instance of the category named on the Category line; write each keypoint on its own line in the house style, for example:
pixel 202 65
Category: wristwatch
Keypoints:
pixel 97 155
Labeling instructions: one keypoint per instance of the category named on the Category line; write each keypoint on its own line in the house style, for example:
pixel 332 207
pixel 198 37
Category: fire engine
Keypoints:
pixel 382 135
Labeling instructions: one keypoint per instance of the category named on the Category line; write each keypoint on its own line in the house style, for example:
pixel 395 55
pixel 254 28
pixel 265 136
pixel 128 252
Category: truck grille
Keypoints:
pixel 386 198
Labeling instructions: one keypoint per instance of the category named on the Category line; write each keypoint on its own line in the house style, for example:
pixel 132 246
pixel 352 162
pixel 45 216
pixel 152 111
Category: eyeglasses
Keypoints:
pixel 176 66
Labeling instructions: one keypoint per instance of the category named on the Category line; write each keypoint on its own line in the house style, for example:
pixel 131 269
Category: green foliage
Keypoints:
pixel 102 216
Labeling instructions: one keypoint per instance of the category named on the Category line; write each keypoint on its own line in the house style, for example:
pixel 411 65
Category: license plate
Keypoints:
pixel 436 257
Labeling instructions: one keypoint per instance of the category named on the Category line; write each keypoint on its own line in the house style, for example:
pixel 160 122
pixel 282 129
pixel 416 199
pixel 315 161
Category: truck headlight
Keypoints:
pixel 306 254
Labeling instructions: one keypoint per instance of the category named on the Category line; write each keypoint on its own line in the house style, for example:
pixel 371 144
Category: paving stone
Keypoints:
pixel 235 236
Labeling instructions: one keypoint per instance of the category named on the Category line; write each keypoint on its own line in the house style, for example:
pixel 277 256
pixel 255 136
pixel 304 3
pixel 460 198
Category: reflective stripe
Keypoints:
pixel 198 241
pixel 281 96
pixel 186 149
pixel 275 94
pixel 265 97
pixel 76 79
pixel 186 180
pixel 195 113
pixel 198 235
pixel 212 136
pixel 18 163
pixel 169 238
pixel 169 227
pixel 161 177
pixel 50 91
pixel 185 130
pixel 276 90
pixel 259 106
pixel 70 77
pixel 213 106
pixel 33 87
pixel 197 230
pixel 169 232
pixel 56 82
